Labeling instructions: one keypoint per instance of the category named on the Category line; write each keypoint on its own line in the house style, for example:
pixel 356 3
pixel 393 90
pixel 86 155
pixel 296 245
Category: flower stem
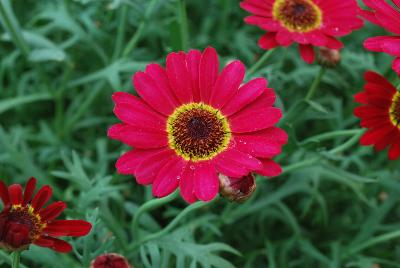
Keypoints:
pixel 16 259
pixel 312 160
pixel 172 224
pixel 371 242
pixel 182 17
pixel 315 84
pixel 122 19
pixel 136 37
pixel 261 61
pixel 150 205
pixel 330 135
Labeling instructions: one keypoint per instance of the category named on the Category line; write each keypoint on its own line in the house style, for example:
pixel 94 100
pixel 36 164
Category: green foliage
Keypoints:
pixel 336 204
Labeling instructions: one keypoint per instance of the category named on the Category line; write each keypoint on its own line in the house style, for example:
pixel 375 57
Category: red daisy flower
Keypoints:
pixel 193 122
pixel 387 17
pixel 24 221
pixel 380 113
pixel 306 22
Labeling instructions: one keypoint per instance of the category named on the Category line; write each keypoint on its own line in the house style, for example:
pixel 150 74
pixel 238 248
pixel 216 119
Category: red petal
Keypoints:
pixel 52 211
pixel 193 62
pixel 206 183
pixel 186 184
pixel 153 93
pixel 168 177
pixel 307 53
pixel 245 95
pixel 270 168
pixel 68 228
pixel 42 196
pixel 268 41
pixel 137 136
pixel 54 243
pixel 29 188
pixel 227 84
pixel 179 76
pixel 4 194
pixel 208 72
pixel 147 170
pixel 15 193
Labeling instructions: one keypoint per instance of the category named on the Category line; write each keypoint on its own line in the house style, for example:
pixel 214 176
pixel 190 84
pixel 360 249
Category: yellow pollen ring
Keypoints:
pixel 34 218
pixel 394 111
pixel 215 114
pixel 293 27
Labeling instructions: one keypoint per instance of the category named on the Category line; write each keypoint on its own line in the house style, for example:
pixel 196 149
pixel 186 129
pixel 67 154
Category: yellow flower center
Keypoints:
pixel 297 15
pixel 197 131
pixel 394 110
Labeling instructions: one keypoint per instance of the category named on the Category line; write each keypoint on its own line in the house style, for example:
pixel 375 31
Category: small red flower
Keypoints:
pixel 380 113
pixel 387 17
pixel 24 221
pixel 110 260
pixel 193 122
pixel 306 22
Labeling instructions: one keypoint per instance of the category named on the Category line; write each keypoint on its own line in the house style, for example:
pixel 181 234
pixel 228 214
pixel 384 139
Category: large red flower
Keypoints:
pixel 193 122
pixel 306 22
pixel 388 17
pixel 24 221
pixel 380 113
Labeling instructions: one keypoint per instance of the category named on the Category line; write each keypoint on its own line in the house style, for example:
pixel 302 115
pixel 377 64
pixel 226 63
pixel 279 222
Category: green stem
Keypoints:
pixel 261 61
pixel 171 225
pixel 150 205
pixel 315 84
pixel 330 135
pixel 16 259
pixel 121 31
pixel 372 242
pixel 299 165
pixel 311 161
pixel 348 143
pixel 12 27
pixel 136 37
pixel 183 23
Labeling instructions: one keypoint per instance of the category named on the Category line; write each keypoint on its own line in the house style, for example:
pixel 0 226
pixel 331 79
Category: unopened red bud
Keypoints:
pixel 110 260
pixel 237 189
pixel 328 57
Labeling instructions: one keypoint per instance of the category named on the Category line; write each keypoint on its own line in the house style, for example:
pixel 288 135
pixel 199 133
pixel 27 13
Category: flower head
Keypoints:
pixel 110 260
pixel 237 189
pixel 380 113
pixel 306 22
pixel 388 17
pixel 193 122
pixel 24 221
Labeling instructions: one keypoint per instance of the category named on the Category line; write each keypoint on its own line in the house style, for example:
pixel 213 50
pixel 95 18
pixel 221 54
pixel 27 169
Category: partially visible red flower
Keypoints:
pixel 193 121
pixel 306 22
pixel 380 113
pixel 24 221
pixel 388 17
pixel 110 260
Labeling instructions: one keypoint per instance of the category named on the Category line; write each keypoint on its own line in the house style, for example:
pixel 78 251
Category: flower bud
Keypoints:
pixel 328 57
pixel 110 260
pixel 237 189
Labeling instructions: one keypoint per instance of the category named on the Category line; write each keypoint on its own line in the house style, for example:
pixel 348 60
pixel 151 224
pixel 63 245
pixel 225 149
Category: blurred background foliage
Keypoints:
pixel 336 205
